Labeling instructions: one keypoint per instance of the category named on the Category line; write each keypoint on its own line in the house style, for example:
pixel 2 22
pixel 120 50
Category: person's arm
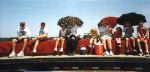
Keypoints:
pixel 78 34
pixel 27 34
pixel 132 29
pixel 59 33
pixel 138 34
pixel 45 35
pixel 111 30
pixel 147 31
pixel 18 33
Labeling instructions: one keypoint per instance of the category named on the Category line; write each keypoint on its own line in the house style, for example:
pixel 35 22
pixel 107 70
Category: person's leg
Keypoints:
pixel 105 46
pixel 75 42
pixel 139 46
pixel 57 41
pixel 91 41
pixel 25 44
pixel 127 46
pixel 14 44
pixel 95 41
pixel 133 43
pixel 110 45
pixel 62 44
pixel 13 48
pixel 119 42
pixel 21 53
pixel 127 42
pixel 118 45
pixel 68 44
pixel 146 46
pixel 35 46
pixel 104 43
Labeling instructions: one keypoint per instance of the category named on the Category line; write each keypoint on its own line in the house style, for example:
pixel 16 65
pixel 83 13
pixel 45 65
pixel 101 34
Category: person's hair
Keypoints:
pixel 22 23
pixel 119 29
pixel 43 23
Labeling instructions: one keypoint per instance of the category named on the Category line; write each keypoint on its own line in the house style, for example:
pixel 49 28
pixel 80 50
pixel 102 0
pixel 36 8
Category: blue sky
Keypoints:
pixel 50 11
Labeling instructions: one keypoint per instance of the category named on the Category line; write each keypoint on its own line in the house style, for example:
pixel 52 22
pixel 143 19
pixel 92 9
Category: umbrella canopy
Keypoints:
pixel 112 21
pixel 133 18
pixel 69 19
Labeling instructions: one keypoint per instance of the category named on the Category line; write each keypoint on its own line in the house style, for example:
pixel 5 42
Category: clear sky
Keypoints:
pixel 50 11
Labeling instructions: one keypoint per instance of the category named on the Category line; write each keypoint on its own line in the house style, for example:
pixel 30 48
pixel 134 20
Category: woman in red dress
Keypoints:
pixel 142 33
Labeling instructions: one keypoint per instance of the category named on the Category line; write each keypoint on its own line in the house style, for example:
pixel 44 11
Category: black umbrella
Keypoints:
pixel 133 18
pixel 141 18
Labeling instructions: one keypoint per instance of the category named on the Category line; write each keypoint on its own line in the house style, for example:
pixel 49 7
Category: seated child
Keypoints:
pixel 94 39
pixel 61 38
pixel 142 33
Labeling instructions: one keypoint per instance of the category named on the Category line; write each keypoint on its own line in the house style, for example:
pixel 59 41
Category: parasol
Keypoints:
pixel 133 18
pixel 68 20
pixel 112 21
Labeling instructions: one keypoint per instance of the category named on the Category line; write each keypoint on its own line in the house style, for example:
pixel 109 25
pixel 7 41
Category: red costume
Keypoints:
pixel 142 31
pixel 118 34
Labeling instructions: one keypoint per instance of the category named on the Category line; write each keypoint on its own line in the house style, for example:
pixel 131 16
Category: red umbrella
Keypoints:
pixel 112 21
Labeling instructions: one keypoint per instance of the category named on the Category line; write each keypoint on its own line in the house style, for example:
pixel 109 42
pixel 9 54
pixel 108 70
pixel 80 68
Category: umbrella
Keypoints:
pixel 141 18
pixel 110 20
pixel 133 18
pixel 68 20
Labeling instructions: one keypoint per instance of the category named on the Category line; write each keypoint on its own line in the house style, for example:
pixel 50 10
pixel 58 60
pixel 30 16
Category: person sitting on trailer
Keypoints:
pixel 73 36
pixel 23 35
pixel 142 33
pixel 41 36
pixel 61 38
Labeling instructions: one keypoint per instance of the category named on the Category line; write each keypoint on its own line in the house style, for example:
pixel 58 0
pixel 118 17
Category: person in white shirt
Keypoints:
pixel 41 36
pixel 106 37
pixel 23 35
pixel 73 36
pixel 61 38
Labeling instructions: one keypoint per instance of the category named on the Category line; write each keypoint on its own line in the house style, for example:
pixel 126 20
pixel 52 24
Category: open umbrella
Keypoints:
pixel 68 19
pixel 141 17
pixel 133 18
pixel 110 20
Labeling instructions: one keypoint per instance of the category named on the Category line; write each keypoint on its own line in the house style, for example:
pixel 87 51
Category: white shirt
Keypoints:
pixel 75 30
pixel 104 31
pixel 23 32
pixel 42 31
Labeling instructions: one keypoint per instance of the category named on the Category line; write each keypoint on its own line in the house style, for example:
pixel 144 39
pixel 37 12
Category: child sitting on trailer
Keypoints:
pixel 117 37
pixel 128 30
pixel 61 38
pixel 94 39
pixel 106 37
pixel 142 33
pixel 42 35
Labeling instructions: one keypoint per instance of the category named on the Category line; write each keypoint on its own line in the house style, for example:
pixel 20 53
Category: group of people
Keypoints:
pixel 72 34
pixel 106 34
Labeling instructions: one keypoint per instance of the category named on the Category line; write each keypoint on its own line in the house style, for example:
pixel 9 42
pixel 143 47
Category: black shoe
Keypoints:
pixel 126 52
pixel 33 54
pixel 54 53
pixel 60 53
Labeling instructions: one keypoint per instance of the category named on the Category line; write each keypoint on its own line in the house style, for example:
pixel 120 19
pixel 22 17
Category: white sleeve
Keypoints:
pixel 100 29
pixel 37 32
pixel 28 32
pixel 18 33
pixel 46 31
pixel 78 32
